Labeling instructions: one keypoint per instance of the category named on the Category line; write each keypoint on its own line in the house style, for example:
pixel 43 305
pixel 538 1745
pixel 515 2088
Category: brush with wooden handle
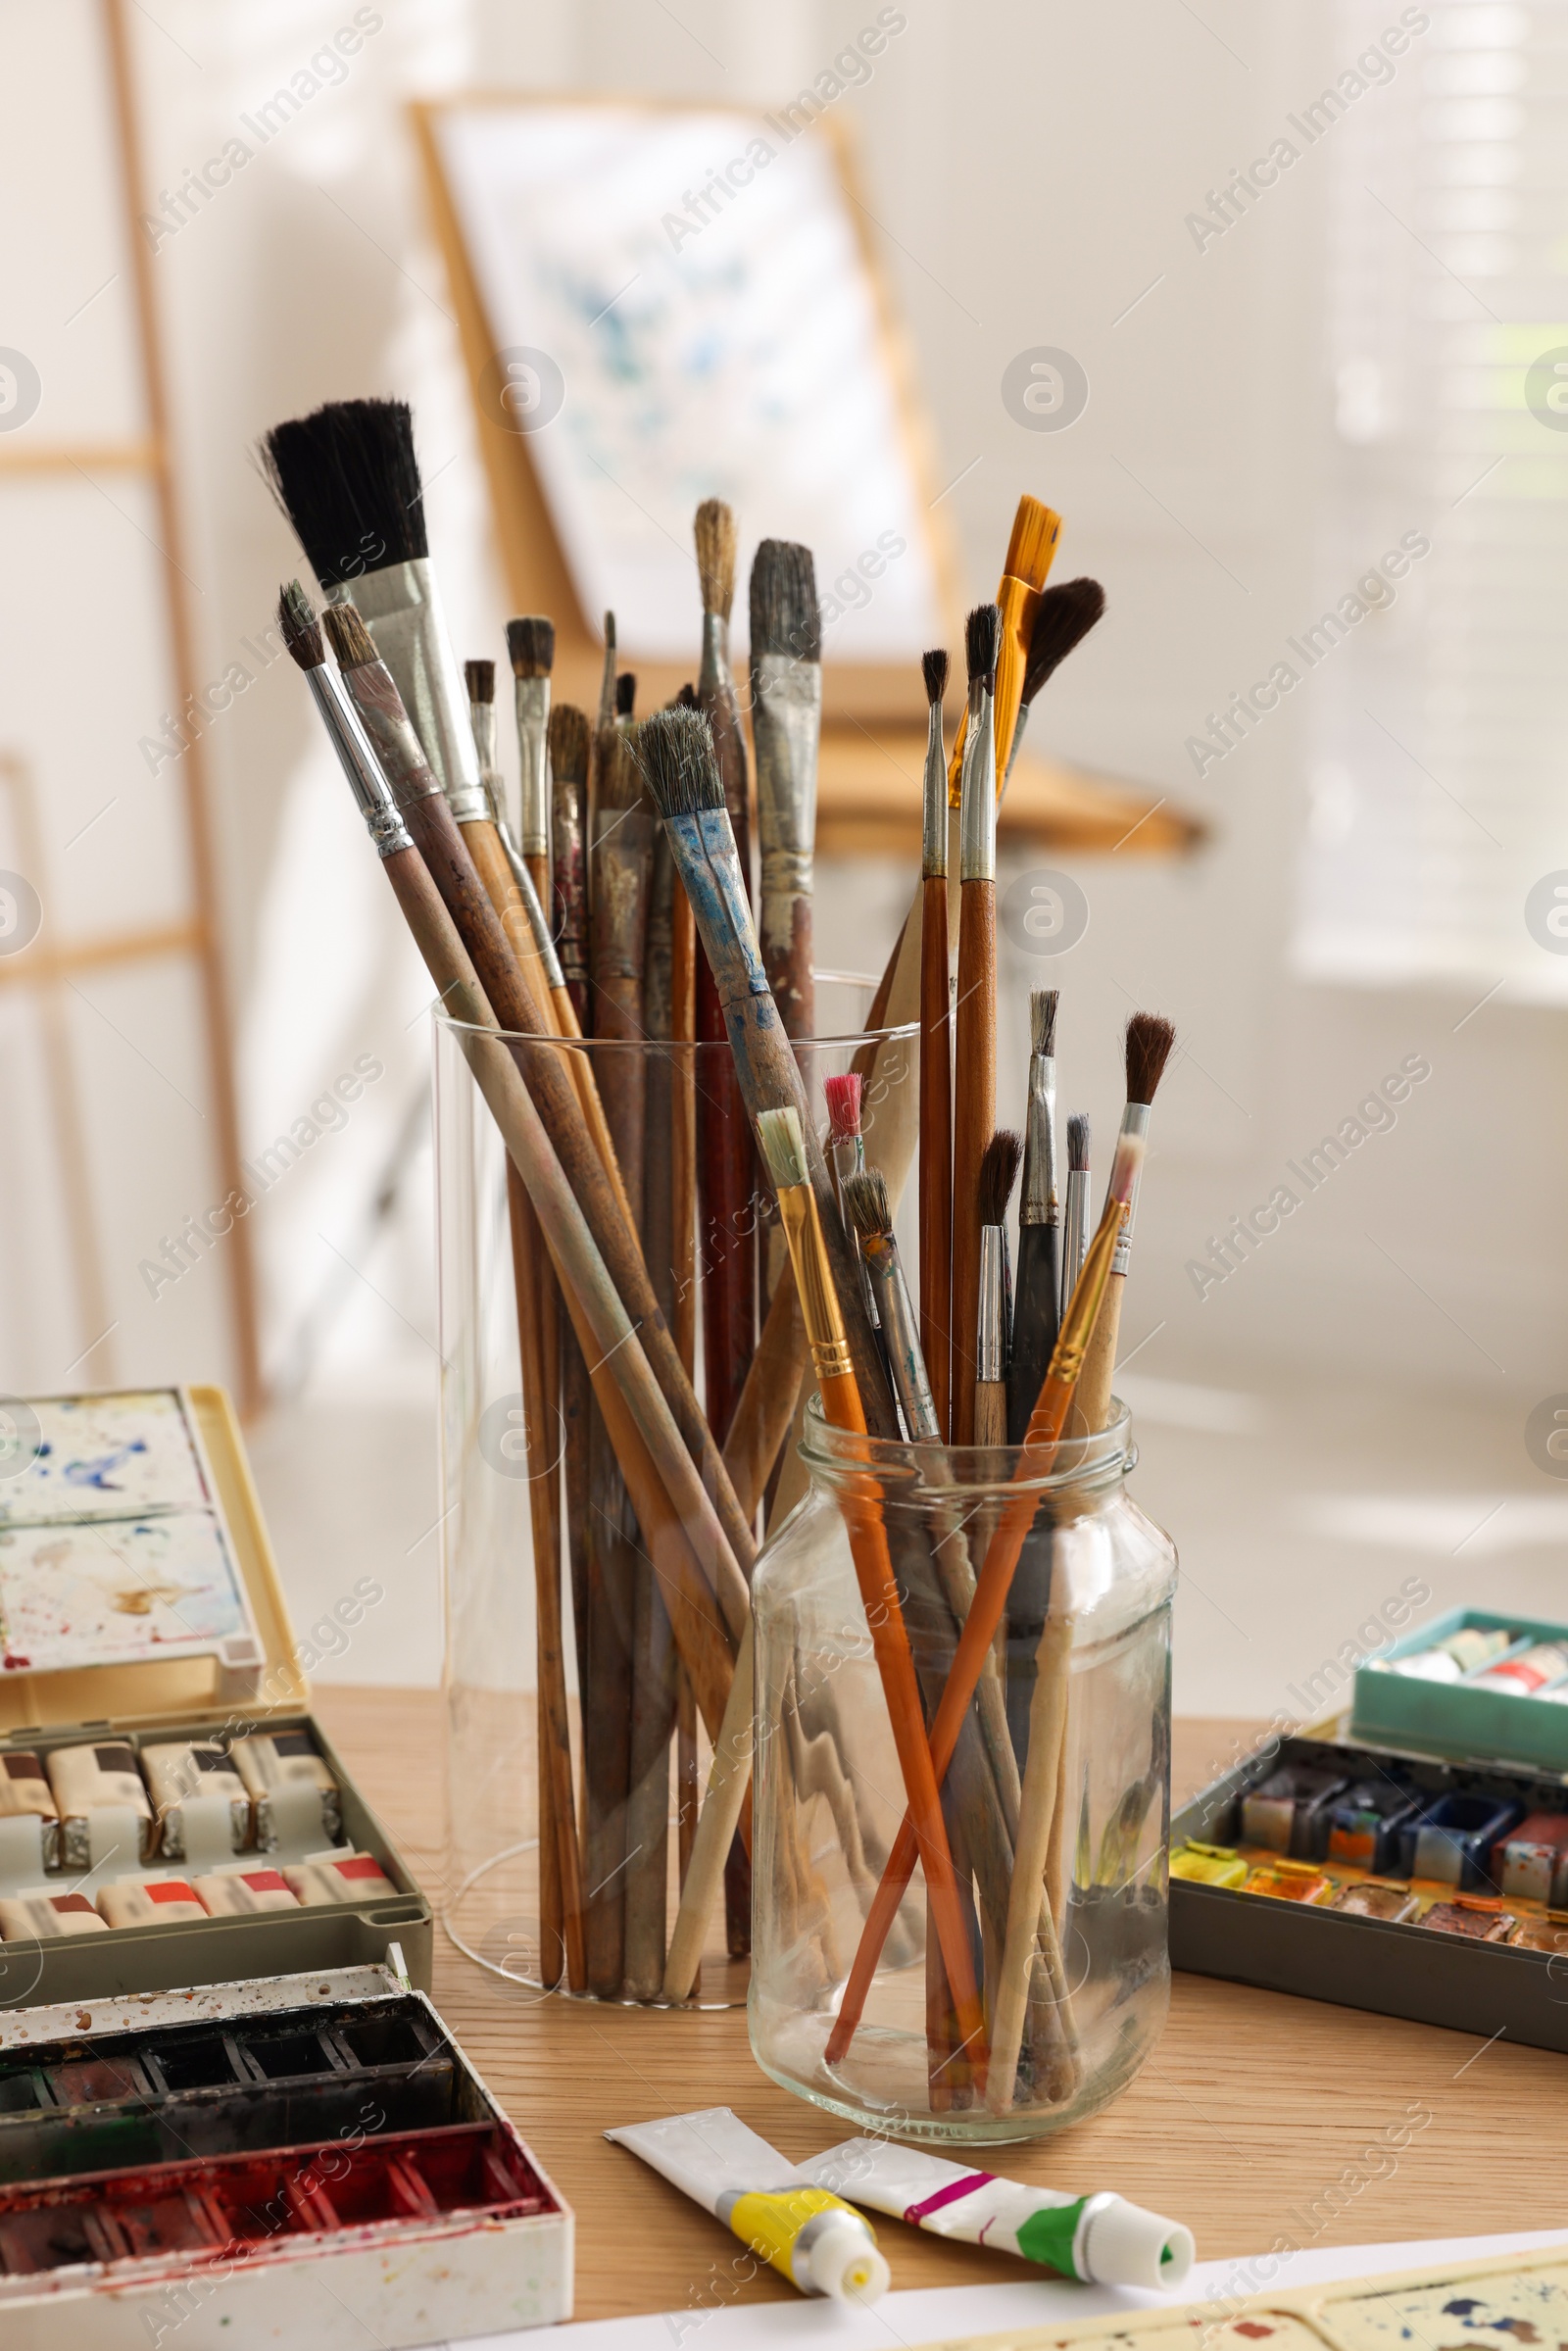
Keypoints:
pixel 532 646
pixel 998 1172
pixel 1148 1046
pixel 569 763
pixel 1031 551
pixel 1037 1299
pixel 974 1108
pixel 936 1059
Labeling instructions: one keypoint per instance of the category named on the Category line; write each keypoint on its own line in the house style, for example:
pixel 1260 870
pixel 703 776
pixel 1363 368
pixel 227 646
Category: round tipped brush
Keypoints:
pixel 1037 1301
pixel 1031 551
pixel 1076 1228
pixel 786 722
pixel 866 1195
pixel 532 646
pixel 936 1056
pixel 974 1109
pixel 998 1172
pixel 1064 618
pixel 1149 1042
pixel 606 680
pixel 845 1147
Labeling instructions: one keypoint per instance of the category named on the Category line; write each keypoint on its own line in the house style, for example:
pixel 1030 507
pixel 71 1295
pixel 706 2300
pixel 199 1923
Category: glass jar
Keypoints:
pixel 1063 1755
pixel 634 1850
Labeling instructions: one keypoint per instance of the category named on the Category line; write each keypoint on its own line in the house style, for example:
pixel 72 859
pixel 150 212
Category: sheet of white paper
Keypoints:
pixel 902 2321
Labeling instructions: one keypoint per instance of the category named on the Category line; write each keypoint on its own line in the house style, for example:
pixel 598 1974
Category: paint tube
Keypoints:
pixel 804 2231
pixel 1102 2240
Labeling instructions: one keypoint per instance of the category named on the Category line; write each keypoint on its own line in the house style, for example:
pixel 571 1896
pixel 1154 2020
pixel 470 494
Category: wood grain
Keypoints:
pixel 974 1118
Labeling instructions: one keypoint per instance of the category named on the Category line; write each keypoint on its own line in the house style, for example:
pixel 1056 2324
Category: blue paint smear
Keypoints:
pixel 99 1473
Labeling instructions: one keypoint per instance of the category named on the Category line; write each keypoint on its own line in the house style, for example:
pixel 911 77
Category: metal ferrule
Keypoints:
pixel 483 719
pixel 372 690
pixel 786 725
pixel 1075 1236
pixel 401 607
pixel 990 1362
pixel 372 794
pixel 813 1279
pixel 522 881
pixel 934 840
pixel 710 868
pixel 1019 725
pixel 1037 1202
pixel 1134 1121
pixel 1078 1324
pixel 977 838
pixel 901 1330
pixel 531 700
pixel 714 673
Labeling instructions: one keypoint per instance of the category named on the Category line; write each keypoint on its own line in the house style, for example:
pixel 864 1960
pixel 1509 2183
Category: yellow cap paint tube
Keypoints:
pixel 804 2230
pixel 1102 2240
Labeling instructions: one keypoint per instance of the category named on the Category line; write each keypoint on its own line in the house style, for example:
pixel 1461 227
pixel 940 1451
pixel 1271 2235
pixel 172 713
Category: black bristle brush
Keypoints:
pixel 998 1172
pixel 1037 1299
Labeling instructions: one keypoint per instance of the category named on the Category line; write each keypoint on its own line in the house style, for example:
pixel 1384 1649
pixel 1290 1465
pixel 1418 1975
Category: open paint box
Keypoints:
pixel 305 2159
pixel 148 1657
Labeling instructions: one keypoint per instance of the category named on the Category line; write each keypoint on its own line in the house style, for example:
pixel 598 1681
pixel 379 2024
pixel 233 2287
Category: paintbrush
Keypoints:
pixel 936 1059
pixel 974 1109
pixel 783 1136
pixel 348 479
pixel 607 679
pixel 1147 1047
pixel 1076 1227
pixel 716 696
pixel 1037 1299
pixel 1036 1458
pixel 998 1172
pixel 532 644
pixel 845 1147
pixel 568 762
pixel 620 874
pixel 866 1195
pixel 675 749
pixel 625 699
pixel 442 844
pixel 1063 618
pixel 1030 553
pixel 786 724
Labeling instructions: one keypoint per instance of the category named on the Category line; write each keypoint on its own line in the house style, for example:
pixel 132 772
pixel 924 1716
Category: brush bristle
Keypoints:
pixel 783 1146
pixel 568 743
pixel 301 630
pixel 351 641
pixel 866 1195
pixel 1064 618
pixel 348 480
pixel 786 617
pixel 686 699
pixel 620 779
pixel 480 679
pixel 842 1095
pixel 610 632
pixel 531 645
pixel 1150 1038
pixel 1125 1166
pixel 674 749
pixel 998 1172
pixel 715 555
pixel 1042 1002
pixel 1078 1142
pixel 625 693
pixel 1035 532
pixel 934 669
pixel 982 633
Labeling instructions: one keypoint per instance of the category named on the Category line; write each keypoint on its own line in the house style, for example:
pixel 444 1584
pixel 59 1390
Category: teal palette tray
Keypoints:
pixel 1455 1718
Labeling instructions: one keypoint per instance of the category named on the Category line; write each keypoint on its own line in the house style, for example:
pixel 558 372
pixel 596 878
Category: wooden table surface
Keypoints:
pixel 1257 2118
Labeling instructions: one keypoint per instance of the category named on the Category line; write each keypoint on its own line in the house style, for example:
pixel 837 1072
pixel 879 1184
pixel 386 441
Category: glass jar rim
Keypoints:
pixel 972 1472
pixel 662 1045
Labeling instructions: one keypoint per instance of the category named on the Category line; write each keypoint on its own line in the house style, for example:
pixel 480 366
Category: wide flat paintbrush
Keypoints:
pixel 974 1109
pixel 1031 551
pixel 349 481
pixel 998 1172
pixel 1037 1301
pixel 676 752
pixel 1147 1047
pixel 532 644
pixel 935 1060
pixel 1063 618
pixel 786 724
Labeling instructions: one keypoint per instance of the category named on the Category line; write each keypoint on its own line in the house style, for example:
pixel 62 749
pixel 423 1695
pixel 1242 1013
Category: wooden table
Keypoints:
pixel 1257 2118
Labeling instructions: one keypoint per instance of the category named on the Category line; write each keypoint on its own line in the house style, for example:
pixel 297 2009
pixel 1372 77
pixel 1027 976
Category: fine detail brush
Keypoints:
pixel 936 1057
pixel 998 1172
pixel 606 716
pixel 786 722
pixel 782 1135
pixel 675 749
pixel 531 645
pixel 1075 1225
pixel 1147 1047
pixel 1037 1299
pixel 974 1109
pixel 569 763
pixel 1042 1438
pixel 1031 551
pixel 865 1196
pixel 1063 618
pixel 348 479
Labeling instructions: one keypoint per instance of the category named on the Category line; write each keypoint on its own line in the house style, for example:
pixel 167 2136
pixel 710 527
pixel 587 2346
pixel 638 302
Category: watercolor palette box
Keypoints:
pixel 305 2159
pixel 1389 1881
pixel 1494 1701
pixel 170 1812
